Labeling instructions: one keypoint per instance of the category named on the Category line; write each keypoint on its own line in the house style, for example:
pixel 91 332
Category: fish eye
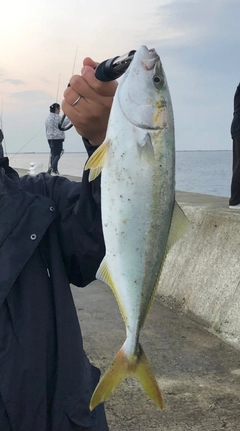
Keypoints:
pixel 157 79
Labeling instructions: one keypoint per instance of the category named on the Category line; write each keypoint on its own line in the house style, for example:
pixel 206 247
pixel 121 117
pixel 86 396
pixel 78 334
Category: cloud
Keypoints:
pixel 199 43
pixel 46 80
pixel 14 81
pixel 30 96
pixel 197 31
pixel 199 20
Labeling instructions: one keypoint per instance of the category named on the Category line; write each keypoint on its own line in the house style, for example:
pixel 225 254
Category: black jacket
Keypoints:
pixel 50 236
pixel 235 126
pixel 1 135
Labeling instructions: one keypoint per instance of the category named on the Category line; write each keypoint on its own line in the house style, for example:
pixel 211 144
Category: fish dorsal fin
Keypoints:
pixel 179 226
pixel 97 160
pixel 104 275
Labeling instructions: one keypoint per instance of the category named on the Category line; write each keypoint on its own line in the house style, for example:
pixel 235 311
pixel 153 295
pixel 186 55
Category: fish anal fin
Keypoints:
pixel 180 225
pixel 97 160
pixel 122 367
pixel 103 274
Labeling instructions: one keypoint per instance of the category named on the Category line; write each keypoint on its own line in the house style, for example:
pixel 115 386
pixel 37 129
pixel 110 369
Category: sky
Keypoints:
pixel 43 43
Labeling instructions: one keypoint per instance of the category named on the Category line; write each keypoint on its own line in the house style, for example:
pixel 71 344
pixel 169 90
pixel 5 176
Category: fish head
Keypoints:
pixel 143 92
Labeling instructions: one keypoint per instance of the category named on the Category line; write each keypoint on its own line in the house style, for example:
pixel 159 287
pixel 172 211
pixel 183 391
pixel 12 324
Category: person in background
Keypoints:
pixel 51 236
pixel 234 201
pixel 55 137
pixel 1 143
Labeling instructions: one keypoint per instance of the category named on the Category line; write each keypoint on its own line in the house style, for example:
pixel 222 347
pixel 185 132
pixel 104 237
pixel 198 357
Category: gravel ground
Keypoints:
pixel 199 374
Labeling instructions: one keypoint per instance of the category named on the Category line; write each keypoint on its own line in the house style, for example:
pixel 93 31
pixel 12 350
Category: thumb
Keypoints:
pixel 89 62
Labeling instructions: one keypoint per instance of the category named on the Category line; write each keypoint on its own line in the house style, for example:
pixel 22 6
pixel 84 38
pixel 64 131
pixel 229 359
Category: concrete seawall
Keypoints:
pixel 201 275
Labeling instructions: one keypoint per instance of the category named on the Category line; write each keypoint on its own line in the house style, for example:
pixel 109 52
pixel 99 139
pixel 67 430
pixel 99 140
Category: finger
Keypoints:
pixel 79 114
pixel 104 88
pixel 70 95
pixel 88 121
pixel 82 114
pixel 89 62
pixel 80 87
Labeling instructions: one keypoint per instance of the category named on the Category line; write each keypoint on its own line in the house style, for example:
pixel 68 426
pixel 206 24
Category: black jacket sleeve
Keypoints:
pixel 235 125
pixel 80 227
pixel 1 136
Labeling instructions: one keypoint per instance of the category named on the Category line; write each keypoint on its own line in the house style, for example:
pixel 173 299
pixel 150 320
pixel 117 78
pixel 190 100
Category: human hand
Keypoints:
pixel 90 114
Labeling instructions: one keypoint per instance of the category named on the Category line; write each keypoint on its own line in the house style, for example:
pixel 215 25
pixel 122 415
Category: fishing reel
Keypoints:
pixel 108 70
pixel 113 68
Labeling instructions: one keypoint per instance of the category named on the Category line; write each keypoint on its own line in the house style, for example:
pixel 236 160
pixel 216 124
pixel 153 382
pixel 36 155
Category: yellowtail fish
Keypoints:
pixel 140 217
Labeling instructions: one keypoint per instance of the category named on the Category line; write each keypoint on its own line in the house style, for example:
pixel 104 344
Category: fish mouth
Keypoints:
pixel 149 59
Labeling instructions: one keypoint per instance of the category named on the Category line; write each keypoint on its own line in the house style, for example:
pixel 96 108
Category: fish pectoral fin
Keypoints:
pixel 145 149
pixel 123 366
pixel 180 225
pixel 97 160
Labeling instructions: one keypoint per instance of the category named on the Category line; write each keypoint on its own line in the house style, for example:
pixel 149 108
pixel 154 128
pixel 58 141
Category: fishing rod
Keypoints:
pixel 1 116
pixel 74 60
pixel 1 127
pixel 50 155
pixel 58 86
pixel 108 70
pixel 25 145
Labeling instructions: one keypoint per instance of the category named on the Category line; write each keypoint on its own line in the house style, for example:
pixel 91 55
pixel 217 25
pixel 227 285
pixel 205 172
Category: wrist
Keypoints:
pixel 94 141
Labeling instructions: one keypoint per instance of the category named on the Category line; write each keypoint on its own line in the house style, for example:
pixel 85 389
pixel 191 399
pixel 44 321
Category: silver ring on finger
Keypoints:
pixel 76 101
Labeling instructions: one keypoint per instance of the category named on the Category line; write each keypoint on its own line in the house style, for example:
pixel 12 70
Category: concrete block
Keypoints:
pixel 202 271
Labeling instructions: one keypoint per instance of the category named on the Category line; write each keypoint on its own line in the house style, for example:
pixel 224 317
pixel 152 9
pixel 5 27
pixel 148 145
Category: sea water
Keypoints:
pixel 207 172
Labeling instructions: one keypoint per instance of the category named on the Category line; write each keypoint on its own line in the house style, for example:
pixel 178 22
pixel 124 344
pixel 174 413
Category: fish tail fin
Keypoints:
pixel 145 376
pixel 123 366
pixel 110 380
